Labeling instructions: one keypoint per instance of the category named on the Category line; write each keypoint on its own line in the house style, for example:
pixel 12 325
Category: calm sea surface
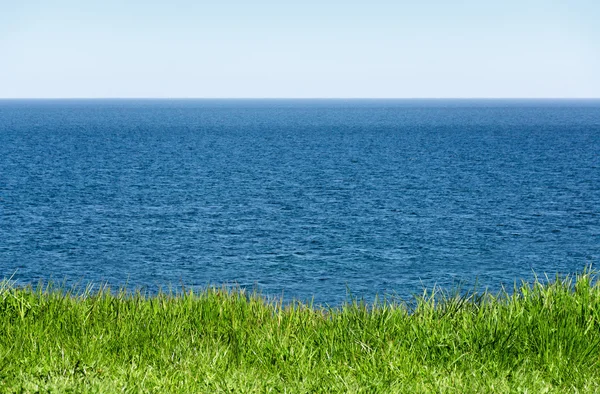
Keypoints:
pixel 305 198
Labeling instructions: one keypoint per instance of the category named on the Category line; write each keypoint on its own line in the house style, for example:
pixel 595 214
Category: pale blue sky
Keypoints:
pixel 329 48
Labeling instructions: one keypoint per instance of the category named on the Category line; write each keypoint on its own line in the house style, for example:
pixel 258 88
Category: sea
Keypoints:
pixel 320 201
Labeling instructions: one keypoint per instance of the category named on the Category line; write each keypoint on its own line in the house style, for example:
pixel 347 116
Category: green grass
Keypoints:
pixel 543 337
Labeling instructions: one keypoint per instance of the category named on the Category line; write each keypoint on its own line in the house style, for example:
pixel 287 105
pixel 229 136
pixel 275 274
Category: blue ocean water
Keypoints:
pixel 305 198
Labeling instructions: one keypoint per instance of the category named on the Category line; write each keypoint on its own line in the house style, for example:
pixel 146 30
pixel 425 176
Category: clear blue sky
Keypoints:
pixel 308 48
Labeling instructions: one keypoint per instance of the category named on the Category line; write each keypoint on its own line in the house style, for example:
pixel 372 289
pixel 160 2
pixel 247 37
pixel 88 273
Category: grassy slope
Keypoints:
pixel 542 338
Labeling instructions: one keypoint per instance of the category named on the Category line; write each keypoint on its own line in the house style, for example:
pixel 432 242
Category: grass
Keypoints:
pixel 542 337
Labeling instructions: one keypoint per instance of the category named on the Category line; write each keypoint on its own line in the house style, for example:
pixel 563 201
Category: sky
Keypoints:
pixel 302 49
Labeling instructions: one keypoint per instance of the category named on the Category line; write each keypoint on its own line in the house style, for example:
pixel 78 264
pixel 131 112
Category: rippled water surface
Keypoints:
pixel 301 198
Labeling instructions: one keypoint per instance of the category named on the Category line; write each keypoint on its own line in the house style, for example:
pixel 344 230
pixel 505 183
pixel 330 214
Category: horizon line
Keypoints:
pixel 298 98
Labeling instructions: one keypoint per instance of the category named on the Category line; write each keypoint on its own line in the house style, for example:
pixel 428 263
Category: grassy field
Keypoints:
pixel 544 337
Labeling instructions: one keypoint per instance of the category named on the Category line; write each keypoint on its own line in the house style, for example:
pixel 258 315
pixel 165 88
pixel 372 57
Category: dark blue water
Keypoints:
pixel 305 198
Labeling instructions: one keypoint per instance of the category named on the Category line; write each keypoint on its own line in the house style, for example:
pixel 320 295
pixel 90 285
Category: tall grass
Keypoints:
pixel 541 337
